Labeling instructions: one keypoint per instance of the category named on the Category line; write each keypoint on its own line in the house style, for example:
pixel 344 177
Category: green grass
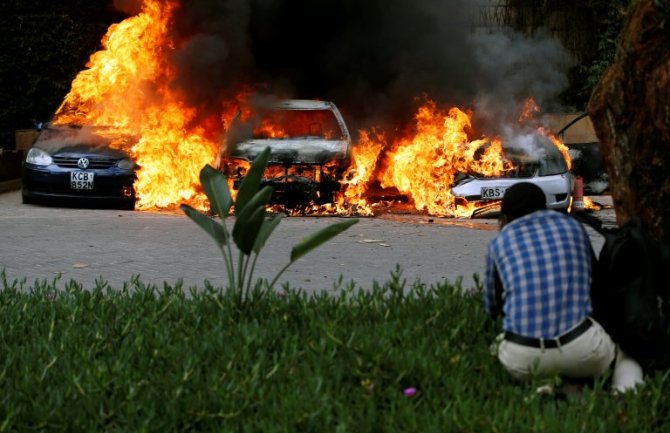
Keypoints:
pixel 169 360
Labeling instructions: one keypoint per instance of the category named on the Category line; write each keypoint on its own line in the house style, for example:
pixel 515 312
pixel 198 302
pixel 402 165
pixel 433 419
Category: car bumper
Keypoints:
pixel 298 191
pixel 556 188
pixel 54 182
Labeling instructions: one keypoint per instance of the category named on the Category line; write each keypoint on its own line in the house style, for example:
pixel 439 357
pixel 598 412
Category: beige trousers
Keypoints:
pixel 589 355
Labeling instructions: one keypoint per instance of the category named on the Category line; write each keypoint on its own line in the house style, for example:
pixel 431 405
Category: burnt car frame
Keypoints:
pixel 309 145
pixel 69 164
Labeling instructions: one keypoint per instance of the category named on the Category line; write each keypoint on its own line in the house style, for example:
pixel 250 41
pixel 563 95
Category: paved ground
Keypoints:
pixel 39 242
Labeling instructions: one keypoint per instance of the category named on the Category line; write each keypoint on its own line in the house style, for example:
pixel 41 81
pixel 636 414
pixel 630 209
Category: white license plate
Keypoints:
pixel 81 180
pixel 493 192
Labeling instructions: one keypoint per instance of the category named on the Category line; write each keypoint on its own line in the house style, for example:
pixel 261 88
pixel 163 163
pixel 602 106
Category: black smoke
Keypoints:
pixel 373 58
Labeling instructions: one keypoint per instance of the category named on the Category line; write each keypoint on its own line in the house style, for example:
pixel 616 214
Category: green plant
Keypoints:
pixel 252 228
pixel 390 357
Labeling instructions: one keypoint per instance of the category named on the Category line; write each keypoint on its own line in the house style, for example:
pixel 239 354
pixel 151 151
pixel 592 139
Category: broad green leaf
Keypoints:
pixel 247 233
pixel 315 239
pixel 215 185
pixel 250 219
pixel 252 180
pixel 269 225
pixel 212 227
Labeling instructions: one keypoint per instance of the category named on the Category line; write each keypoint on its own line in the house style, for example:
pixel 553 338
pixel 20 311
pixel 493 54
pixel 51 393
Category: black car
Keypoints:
pixel 82 164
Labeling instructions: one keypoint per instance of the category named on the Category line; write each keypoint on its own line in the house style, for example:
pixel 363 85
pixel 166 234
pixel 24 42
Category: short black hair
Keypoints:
pixel 522 199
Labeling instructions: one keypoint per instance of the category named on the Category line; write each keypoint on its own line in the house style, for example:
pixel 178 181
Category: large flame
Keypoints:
pixel 127 88
pixel 278 125
pixel 364 157
pixel 424 165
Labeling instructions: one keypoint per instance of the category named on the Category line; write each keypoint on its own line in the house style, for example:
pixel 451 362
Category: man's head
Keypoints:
pixel 521 199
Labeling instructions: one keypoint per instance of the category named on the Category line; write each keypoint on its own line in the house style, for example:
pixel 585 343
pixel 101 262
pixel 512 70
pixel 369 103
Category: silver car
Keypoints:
pixel 540 163
pixel 310 149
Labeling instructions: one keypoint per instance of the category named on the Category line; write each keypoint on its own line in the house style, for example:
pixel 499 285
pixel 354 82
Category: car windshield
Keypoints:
pixel 287 124
pixel 542 159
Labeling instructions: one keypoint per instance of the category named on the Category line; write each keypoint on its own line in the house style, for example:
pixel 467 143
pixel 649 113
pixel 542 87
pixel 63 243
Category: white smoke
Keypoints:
pixel 512 68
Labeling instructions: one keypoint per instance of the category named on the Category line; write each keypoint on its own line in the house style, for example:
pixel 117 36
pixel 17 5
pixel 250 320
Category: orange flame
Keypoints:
pixel 591 205
pixel 126 87
pixel 560 145
pixel 424 166
pixel 364 157
pixel 277 125
pixel 530 108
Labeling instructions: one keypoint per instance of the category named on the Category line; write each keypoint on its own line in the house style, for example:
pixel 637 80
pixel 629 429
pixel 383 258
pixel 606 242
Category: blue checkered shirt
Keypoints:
pixel 543 261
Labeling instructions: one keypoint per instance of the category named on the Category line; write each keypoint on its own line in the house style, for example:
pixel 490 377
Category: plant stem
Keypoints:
pixel 228 260
pixel 229 257
pixel 251 273
pixel 240 278
pixel 279 275
pixel 244 273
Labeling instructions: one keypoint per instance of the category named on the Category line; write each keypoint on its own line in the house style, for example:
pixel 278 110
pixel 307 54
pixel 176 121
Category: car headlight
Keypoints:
pixel 38 157
pixel 125 164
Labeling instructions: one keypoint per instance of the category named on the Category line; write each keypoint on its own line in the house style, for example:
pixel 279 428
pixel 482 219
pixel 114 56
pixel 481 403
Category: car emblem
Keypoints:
pixel 83 163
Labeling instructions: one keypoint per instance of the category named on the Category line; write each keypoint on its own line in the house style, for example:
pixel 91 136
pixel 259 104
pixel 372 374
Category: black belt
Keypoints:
pixel 550 343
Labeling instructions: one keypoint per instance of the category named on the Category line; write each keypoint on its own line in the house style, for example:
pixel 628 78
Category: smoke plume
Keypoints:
pixel 373 58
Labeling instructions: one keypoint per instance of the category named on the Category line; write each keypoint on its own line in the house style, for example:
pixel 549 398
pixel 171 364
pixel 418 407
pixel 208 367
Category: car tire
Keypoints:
pixel 27 199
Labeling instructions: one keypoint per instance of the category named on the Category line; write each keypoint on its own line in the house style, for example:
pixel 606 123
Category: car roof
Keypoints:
pixel 301 104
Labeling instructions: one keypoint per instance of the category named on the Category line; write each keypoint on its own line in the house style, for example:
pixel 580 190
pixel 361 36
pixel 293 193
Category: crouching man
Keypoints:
pixel 538 277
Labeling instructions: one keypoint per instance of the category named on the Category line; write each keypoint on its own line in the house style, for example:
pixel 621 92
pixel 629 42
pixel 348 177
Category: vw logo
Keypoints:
pixel 83 163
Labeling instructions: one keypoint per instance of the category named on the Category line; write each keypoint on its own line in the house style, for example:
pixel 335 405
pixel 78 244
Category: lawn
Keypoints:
pixel 389 358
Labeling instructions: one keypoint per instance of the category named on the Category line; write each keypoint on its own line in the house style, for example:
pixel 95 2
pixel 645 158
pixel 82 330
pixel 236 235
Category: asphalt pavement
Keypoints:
pixel 43 243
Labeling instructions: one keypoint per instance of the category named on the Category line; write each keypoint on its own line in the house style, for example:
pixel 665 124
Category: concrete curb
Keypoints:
pixel 10 185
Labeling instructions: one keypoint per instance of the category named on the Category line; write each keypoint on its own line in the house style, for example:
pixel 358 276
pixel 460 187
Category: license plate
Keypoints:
pixel 493 192
pixel 81 180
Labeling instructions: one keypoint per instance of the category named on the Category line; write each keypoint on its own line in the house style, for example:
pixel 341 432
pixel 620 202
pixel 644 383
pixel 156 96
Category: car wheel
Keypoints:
pixel 129 205
pixel 27 199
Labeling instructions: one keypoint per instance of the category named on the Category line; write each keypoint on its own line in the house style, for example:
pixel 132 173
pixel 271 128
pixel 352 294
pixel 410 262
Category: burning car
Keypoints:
pixel 310 149
pixel 73 162
pixel 539 162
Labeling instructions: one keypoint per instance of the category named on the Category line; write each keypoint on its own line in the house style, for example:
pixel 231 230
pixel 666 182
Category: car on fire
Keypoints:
pixel 539 162
pixel 310 149
pixel 69 163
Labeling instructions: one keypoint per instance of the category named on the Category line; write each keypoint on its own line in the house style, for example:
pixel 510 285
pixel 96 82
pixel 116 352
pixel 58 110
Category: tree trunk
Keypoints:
pixel 630 111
